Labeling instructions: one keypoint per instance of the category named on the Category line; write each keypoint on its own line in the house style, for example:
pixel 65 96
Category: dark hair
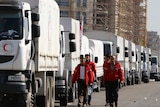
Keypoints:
pixel 87 55
pixel 81 57
pixel 107 55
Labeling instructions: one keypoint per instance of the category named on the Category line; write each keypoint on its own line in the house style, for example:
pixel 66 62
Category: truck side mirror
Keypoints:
pixel 142 58
pixel 35 17
pixel 126 54
pixel 71 36
pixel 118 50
pixel 72 46
pixel 96 59
pixel 126 48
pixel 35 30
pixel 132 53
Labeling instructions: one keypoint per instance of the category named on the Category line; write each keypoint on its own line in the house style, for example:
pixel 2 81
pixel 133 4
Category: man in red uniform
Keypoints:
pixel 106 61
pixel 113 75
pixel 93 68
pixel 84 76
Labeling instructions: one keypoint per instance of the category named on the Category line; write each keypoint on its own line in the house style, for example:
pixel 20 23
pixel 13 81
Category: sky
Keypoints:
pixel 153 16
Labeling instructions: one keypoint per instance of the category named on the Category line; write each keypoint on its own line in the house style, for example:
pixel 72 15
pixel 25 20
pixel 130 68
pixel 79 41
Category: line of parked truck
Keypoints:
pixel 39 51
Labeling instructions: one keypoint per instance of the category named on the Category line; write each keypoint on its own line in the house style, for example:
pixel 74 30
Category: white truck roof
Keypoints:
pixel 96 49
pixel 107 36
pixel 84 45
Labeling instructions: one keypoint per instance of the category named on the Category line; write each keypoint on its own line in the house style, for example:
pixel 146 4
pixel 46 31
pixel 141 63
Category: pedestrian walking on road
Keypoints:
pixel 84 76
pixel 93 68
pixel 105 64
pixel 113 75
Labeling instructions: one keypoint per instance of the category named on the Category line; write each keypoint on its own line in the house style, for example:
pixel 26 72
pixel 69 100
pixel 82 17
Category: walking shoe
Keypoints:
pixel 116 105
pixel 107 104
pixel 79 105
pixel 111 104
pixel 85 105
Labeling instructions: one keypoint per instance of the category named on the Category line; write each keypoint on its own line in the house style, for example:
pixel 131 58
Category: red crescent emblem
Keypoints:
pixel 4 47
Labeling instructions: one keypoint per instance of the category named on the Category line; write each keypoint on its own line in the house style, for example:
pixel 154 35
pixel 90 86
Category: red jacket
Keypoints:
pixel 114 75
pixel 92 66
pixel 88 74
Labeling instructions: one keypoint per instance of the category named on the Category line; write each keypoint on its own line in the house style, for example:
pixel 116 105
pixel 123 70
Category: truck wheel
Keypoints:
pixel 146 81
pixel 48 92
pixel 31 95
pixel 30 100
pixel 52 95
pixel 133 80
pixel 71 95
pixel 63 102
pixel 128 81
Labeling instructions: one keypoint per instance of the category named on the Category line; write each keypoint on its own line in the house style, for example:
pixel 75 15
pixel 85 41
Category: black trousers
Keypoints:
pixel 106 89
pixel 82 91
pixel 112 88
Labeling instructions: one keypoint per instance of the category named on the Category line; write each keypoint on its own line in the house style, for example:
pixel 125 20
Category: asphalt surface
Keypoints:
pixel 138 95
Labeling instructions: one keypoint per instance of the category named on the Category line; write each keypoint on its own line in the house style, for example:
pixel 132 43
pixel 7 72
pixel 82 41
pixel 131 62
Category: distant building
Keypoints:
pixel 153 40
pixel 126 18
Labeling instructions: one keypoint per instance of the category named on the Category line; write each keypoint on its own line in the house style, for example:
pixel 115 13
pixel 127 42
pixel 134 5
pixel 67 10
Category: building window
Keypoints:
pixel 84 17
pixel 78 15
pixel 64 13
pixel 84 3
pixel 63 2
pixel 78 3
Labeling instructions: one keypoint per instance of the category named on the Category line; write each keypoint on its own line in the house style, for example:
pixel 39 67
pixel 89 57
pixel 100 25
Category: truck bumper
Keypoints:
pixel 60 93
pixel 153 75
pixel 12 82
pixel 13 87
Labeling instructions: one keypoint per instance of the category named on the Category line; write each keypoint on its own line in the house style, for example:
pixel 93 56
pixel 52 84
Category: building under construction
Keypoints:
pixel 126 18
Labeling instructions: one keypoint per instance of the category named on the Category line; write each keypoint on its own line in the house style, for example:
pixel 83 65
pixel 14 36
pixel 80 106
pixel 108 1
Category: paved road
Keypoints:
pixel 141 95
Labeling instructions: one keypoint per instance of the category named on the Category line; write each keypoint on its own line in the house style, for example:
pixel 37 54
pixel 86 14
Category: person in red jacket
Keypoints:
pixel 84 76
pixel 113 75
pixel 93 68
pixel 106 61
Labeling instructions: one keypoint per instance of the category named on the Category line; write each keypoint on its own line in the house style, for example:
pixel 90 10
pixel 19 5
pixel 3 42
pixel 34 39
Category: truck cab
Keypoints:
pixel 154 74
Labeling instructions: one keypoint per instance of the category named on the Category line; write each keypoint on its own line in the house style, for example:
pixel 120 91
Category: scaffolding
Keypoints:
pixel 126 18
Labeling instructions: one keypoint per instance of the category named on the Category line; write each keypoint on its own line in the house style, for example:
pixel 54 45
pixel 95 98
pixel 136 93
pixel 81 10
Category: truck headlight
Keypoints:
pixel 16 78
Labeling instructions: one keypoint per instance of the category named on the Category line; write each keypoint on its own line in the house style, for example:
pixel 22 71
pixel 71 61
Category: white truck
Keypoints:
pixel 155 66
pixel 139 64
pixel 128 73
pixel 69 61
pixel 146 65
pixel 30 52
pixel 113 44
pixel 132 60
pixel 95 49
pixel 96 55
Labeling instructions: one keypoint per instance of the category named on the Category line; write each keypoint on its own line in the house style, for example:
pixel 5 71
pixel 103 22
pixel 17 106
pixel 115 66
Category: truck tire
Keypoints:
pixel 52 95
pixel 133 80
pixel 48 92
pixel 31 95
pixel 146 80
pixel 63 102
pixel 71 95
pixel 128 81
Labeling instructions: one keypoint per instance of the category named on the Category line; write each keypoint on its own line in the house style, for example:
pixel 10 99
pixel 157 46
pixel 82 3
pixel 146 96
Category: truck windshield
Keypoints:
pixel 10 24
pixel 154 61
